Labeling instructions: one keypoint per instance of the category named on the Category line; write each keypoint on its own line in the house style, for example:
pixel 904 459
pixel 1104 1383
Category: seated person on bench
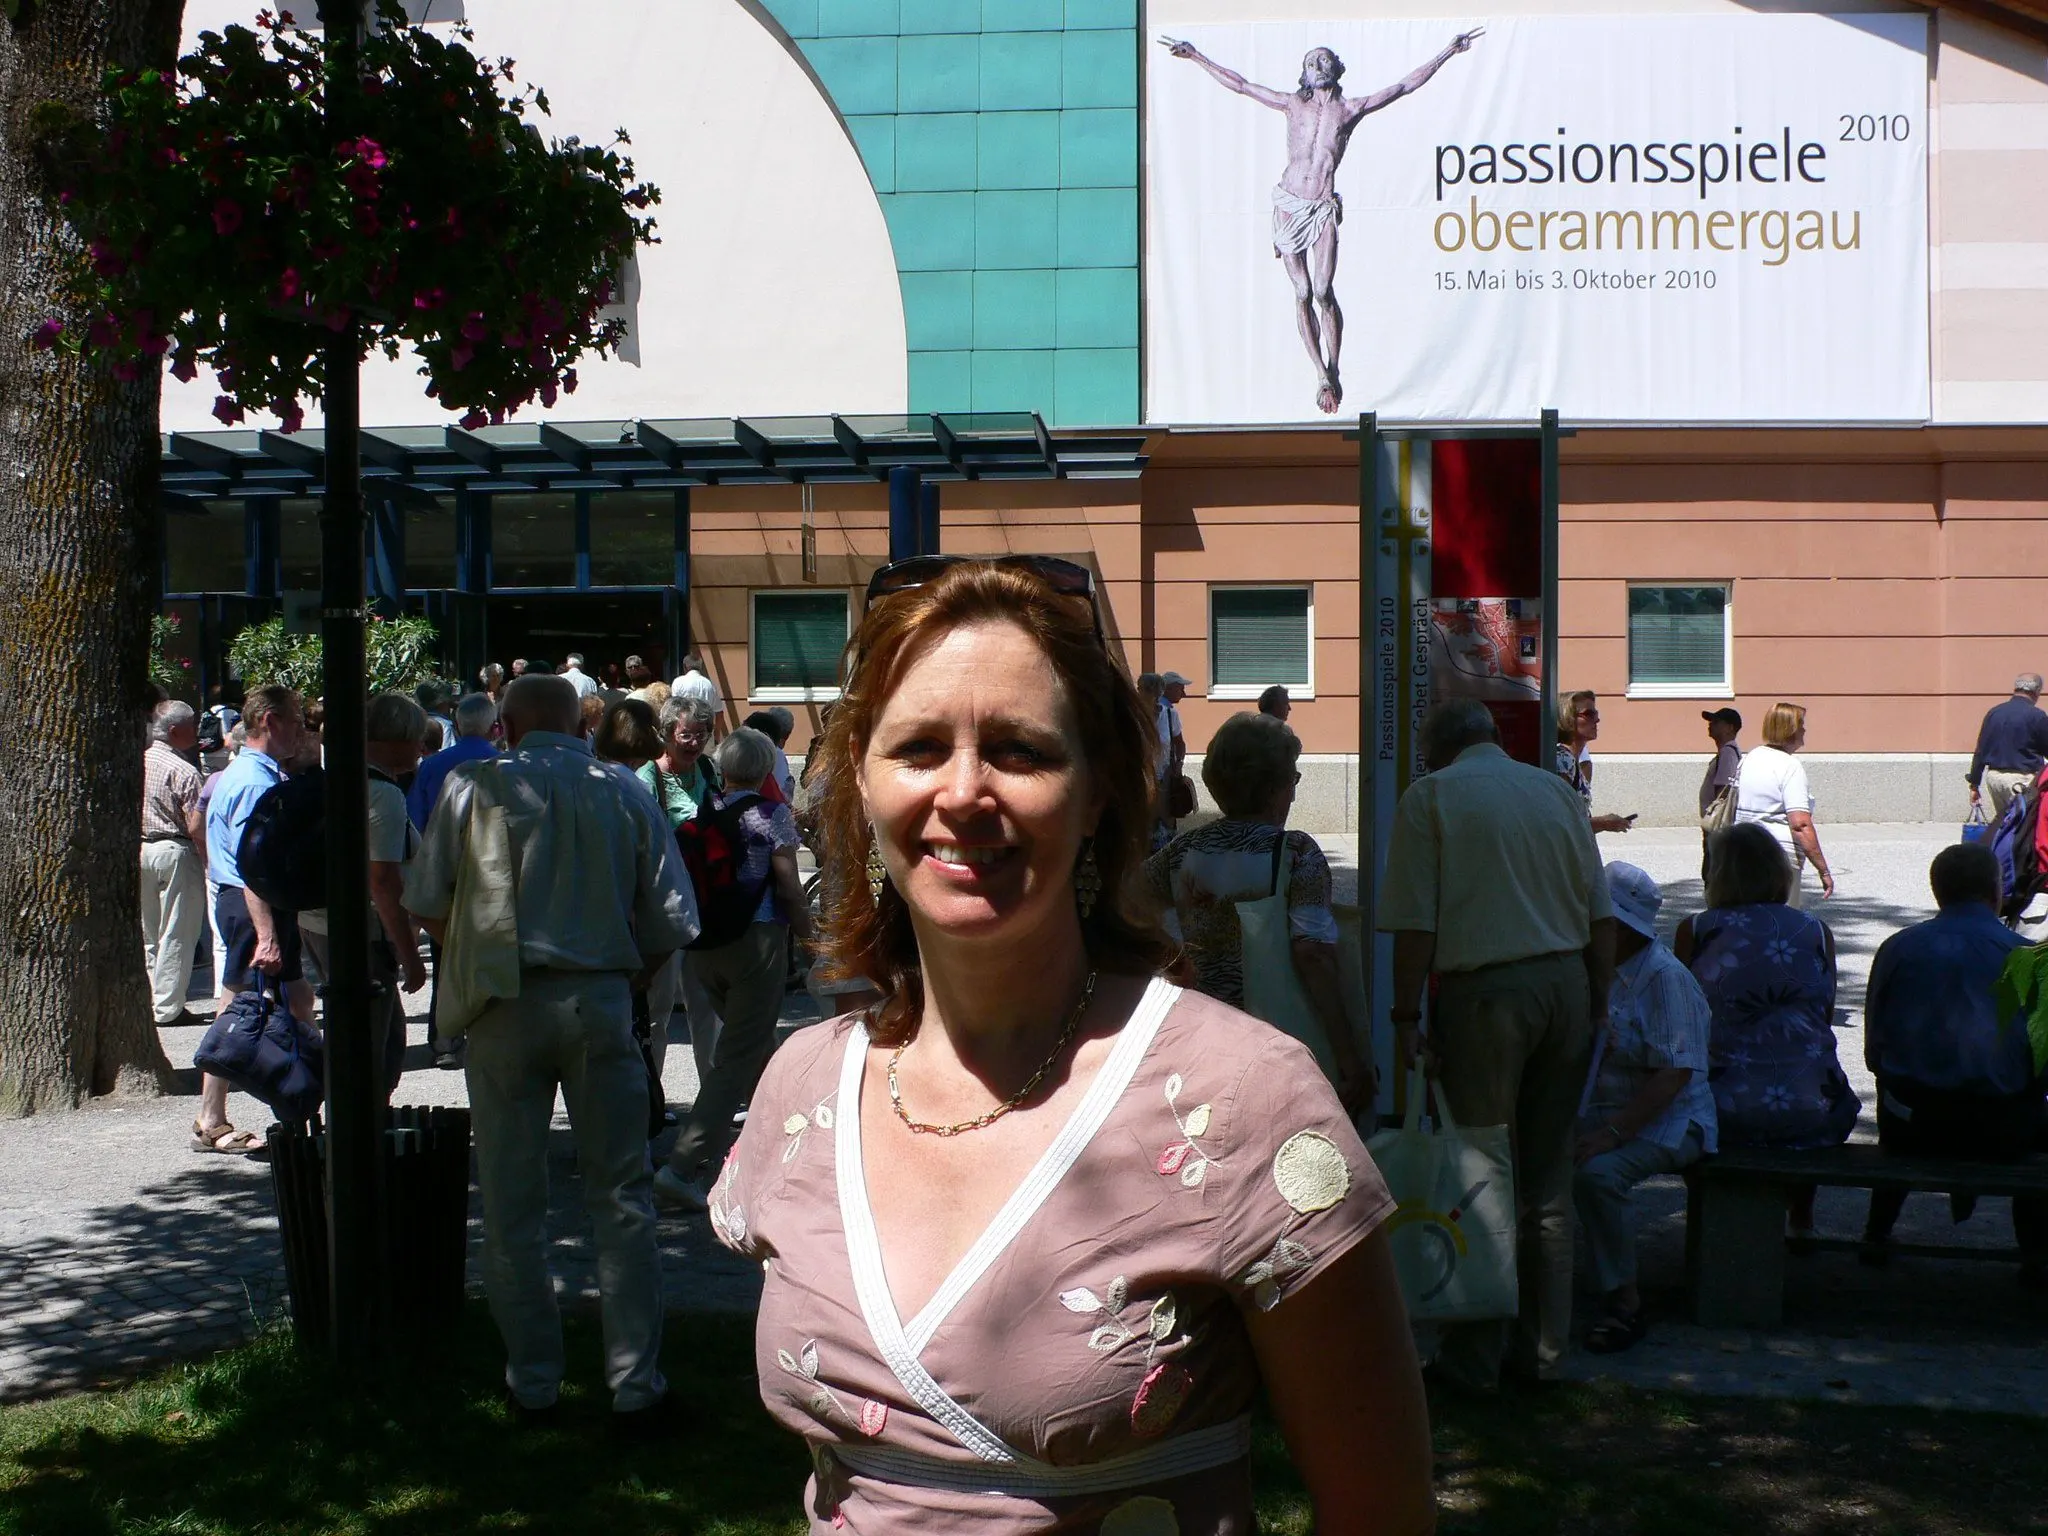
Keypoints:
pixel 1954 1079
pixel 1648 1109
pixel 1768 970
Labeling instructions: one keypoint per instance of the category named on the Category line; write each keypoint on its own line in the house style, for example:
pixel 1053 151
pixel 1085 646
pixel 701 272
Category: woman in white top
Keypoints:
pixel 1773 791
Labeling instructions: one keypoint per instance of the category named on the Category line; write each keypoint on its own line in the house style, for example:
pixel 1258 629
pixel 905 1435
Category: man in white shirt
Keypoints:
pixel 582 682
pixel 695 683
pixel 600 900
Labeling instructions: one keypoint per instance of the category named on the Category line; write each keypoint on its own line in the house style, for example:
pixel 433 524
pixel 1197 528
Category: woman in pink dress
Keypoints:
pixel 1038 1226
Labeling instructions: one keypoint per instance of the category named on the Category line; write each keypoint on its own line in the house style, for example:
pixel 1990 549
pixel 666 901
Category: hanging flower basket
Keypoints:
pixel 223 222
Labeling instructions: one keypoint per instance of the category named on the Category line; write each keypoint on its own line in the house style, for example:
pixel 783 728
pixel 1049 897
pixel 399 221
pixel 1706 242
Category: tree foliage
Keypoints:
pixel 226 224
pixel 400 656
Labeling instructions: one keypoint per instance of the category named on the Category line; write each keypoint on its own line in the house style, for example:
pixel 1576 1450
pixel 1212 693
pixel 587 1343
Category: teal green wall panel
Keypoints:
pixel 932 231
pixel 1097 307
pixel 1097 228
pixel 1098 69
pixel 1016 229
pixel 941 381
pixel 935 152
pixel 938 311
pixel 1013 309
pixel 1012 381
pixel 1018 149
pixel 1020 71
pixel 938 74
pixel 1023 15
pixel 1002 140
pixel 1085 15
pixel 1099 148
pixel 1095 387
pixel 939 16
pixel 860 72
pixel 875 138
pixel 799 18
pixel 857 18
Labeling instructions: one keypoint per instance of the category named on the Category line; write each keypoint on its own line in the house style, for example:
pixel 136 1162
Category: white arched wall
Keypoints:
pixel 773 291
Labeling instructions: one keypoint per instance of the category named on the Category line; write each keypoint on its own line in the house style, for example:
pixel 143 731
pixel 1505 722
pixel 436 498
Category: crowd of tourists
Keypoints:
pixel 1074 1048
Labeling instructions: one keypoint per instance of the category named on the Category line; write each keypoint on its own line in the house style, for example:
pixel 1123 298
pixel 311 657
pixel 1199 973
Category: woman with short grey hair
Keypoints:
pixel 683 777
pixel 734 990
pixel 1211 874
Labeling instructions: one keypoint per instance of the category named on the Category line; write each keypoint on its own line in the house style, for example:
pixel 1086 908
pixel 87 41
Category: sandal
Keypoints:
pixel 226 1140
pixel 1617 1331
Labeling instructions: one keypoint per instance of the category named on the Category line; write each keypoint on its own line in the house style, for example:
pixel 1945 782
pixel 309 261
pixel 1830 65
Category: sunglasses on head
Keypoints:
pixel 1063 576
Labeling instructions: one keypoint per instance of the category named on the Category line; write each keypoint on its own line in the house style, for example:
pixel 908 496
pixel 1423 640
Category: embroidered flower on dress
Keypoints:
pixel 1778 1097
pixel 728 1220
pixel 795 1127
pixel 822 1402
pixel 1166 1385
pixel 1186 1157
pixel 1310 1172
pixel 1265 1279
pixel 1778 951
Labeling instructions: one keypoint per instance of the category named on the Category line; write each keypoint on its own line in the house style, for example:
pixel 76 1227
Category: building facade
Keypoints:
pixel 909 209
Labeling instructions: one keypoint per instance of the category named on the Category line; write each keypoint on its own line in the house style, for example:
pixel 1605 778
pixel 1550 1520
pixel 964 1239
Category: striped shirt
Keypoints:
pixel 170 793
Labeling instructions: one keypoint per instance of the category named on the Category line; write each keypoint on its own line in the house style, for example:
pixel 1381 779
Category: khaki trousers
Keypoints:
pixel 2000 785
pixel 571 1031
pixel 735 998
pixel 173 908
pixel 1515 1041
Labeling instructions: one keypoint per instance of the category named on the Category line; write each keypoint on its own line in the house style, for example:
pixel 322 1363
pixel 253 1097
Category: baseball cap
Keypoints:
pixel 1170 678
pixel 1723 714
pixel 1636 898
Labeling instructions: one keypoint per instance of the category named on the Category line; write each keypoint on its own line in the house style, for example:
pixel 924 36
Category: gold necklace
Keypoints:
pixel 1013 1101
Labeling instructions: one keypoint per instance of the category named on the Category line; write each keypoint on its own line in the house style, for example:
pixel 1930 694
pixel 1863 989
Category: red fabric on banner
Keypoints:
pixel 1486 538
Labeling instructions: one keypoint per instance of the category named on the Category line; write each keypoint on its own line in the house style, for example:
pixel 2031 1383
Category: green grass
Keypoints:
pixel 261 1441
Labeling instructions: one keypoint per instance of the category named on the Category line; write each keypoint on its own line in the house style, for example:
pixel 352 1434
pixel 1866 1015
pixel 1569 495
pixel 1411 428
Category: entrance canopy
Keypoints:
pixel 653 455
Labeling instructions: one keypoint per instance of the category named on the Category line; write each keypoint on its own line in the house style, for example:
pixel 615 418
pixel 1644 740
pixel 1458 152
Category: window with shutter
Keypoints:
pixel 1678 638
pixel 1259 636
pixel 797 640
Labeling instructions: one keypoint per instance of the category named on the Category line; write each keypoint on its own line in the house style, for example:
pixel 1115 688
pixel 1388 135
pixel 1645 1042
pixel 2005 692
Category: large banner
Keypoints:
pixel 1628 218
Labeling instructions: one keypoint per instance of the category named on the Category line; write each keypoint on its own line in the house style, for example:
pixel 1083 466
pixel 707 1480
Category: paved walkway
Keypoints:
pixel 119 1247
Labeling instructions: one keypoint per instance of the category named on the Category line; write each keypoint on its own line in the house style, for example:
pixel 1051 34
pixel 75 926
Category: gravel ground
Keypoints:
pixel 119 1246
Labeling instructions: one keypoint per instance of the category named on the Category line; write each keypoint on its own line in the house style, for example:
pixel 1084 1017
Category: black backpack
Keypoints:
pixel 283 853
pixel 714 847
pixel 211 735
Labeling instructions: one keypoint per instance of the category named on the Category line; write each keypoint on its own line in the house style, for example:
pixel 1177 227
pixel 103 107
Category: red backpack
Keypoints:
pixel 714 848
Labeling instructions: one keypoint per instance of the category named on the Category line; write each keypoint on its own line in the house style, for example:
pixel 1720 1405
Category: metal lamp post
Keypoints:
pixel 355 1101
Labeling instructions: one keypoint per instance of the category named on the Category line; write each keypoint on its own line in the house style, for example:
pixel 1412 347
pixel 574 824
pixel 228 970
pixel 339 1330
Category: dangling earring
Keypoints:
pixel 1087 879
pixel 878 872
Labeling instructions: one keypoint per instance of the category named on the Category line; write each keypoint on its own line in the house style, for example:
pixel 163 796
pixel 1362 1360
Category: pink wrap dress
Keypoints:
pixel 1085 1368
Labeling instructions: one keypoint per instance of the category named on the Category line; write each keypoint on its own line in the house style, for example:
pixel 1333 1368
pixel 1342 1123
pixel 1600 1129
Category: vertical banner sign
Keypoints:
pixel 1401 631
pixel 1486 609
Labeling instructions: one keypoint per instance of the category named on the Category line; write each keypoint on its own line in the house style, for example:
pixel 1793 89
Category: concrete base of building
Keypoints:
pixel 1663 790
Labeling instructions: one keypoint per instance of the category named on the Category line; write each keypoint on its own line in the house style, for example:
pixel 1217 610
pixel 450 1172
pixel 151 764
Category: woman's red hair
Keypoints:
pixel 1118 740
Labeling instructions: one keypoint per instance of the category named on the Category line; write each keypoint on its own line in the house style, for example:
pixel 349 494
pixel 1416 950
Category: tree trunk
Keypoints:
pixel 78 580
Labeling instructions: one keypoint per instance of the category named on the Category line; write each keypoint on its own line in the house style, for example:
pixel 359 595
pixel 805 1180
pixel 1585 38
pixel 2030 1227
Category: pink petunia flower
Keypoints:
pixel 47 334
pixel 227 216
pixel 226 410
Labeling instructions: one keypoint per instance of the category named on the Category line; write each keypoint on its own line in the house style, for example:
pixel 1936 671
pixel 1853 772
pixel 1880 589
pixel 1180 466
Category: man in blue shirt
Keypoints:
pixel 476 721
pixel 2012 745
pixel 1955 1077
pixel 253 938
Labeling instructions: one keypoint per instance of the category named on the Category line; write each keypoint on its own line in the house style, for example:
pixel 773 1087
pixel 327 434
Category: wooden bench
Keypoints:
pixel 1735 1216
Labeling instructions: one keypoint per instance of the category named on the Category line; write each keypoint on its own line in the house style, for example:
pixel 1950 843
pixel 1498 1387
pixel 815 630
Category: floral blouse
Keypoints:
pixel 1086 1367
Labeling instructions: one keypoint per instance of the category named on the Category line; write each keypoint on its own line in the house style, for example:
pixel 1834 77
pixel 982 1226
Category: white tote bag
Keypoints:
pixel 1453 1235
pixel 1272 987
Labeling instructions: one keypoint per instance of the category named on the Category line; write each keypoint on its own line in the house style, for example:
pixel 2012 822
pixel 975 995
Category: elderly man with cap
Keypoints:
pixel 1724 773
pixel 1648 1109
pixel 2012 745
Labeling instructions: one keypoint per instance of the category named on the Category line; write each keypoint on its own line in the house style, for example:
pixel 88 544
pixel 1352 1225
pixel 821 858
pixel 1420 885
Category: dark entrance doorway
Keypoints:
pixel 606 627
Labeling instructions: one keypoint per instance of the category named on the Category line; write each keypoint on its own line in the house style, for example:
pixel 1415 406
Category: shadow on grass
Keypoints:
pixel 262 1439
